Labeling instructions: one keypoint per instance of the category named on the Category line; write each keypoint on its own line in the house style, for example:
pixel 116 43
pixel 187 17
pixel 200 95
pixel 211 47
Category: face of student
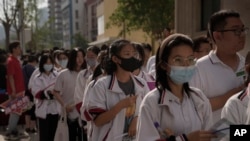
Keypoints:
pixel 233 38
pixel 79 58
pixel 204 49
pixel 127 59
pixel 182 55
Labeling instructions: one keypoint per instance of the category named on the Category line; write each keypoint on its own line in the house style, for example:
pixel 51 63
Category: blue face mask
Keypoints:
pixel 180 75
pixel 63 63
pixel 47 67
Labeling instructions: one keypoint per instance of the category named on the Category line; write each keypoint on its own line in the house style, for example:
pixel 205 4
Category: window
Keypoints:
pixel 100 25
pixel 76 14
pixel 208 7
pixel 77 26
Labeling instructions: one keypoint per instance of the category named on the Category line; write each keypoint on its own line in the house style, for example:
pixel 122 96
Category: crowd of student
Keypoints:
pixel 120 93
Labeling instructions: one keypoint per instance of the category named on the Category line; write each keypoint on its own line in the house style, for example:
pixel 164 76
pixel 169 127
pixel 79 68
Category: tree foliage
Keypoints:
pixel 152 16
pixel 9 10
pixel 80 41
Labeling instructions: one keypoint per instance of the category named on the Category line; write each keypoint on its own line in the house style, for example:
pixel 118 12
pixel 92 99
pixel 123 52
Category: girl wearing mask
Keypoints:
pixel 114 99
pixel 139 72
pixel 182 112
pixel 61 60
pixel 47 107
pixel 65 86
pixel 83 76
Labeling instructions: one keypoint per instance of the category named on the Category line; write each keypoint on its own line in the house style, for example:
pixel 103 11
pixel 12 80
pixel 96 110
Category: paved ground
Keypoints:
pixel 33 137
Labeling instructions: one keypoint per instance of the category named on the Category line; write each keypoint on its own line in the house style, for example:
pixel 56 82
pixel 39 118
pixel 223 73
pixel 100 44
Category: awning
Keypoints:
pixel 103 41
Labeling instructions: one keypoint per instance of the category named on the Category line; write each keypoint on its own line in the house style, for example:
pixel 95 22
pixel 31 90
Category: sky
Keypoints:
pixel 44 3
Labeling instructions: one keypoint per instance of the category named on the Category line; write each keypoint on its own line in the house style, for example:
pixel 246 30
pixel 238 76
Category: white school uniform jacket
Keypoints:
pixel 193 113
pixel 235 110
pixel 43 82
pixel 104 95
pixel 81 80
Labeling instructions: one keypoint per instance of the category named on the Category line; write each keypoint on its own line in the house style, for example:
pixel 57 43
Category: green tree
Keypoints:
pixel 152 16
pixel 9 10
pixel 80 41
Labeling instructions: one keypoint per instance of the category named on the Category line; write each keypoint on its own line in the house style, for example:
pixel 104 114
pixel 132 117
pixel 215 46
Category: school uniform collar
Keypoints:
pixel 114 86
pixel 167 97
pixel 214 59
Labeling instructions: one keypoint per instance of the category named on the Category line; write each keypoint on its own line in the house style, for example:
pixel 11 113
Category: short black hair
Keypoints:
pixel 32 58
pixel 198 41
pixel 218 20
pixel 94 49
pixel 13 45
pixel 43 61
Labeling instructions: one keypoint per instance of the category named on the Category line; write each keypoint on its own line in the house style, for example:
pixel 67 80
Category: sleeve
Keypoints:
pixel 36 88
pixel 59 83
pixel 31 81
pixel 146 130
pixel 79 88
pixel 97 101
pixel 10 67
pixel 85 115
pixel 231 113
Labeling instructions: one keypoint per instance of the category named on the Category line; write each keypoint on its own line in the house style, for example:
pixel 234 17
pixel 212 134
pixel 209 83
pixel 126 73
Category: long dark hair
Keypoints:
pixel 163 54
pixel 72 59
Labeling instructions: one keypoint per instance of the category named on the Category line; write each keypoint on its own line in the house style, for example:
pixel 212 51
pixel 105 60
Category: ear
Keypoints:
pixel 217 36
pixel 115 59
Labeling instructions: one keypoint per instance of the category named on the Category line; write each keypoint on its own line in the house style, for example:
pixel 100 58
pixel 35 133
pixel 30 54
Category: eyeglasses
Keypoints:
pixel 237 32
pixel 180 61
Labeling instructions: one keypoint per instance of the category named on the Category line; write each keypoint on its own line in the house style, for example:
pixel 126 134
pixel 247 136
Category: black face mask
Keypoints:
pixel 130 64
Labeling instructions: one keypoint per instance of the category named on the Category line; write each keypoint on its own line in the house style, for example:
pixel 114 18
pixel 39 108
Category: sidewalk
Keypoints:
pixel 33 137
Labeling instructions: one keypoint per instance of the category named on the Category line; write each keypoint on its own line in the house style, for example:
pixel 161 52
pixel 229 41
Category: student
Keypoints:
pixel 83 76
pixel 235 109
pixel 30 117
pixel 115 99
pixel 65 86
pixel 220 74
pixel 139 66
pixel 47 107
pixel 147 51
pixel 174 106
pixel 201 47
pixel 98 73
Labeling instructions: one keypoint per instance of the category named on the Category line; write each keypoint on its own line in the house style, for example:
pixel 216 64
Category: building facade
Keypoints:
pixel 73 21
pixel 55 17
pixel 195 15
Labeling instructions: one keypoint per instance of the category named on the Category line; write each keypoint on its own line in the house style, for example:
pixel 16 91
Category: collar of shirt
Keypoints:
pixel 114 86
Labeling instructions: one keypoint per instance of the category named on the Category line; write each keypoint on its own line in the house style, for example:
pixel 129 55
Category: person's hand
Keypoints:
pixel 132 127
pixel 13 95
pixel 169 132
pixel 69 108
pixel 127 102
pixel 200 135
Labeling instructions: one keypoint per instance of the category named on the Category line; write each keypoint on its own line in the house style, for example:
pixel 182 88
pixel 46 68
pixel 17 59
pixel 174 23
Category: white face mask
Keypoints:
pixel 91 62
pixel 63 63
pixel 48 67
